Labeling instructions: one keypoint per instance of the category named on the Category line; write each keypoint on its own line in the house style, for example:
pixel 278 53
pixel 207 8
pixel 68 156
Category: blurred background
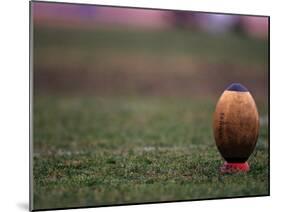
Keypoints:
pixel 118 51
pixel 124 98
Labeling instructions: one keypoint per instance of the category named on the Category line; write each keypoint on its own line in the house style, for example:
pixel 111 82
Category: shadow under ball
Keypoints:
pixel 236 127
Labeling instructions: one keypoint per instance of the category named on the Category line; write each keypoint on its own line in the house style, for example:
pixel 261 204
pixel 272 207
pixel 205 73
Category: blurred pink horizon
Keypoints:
pixel 91 16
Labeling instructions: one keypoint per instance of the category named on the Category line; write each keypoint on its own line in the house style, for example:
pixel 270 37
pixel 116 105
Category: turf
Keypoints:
pixel 91 151
pixel 125 116
pixel 92 43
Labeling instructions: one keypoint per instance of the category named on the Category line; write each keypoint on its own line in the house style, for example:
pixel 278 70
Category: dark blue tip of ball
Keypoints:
pixel 237 87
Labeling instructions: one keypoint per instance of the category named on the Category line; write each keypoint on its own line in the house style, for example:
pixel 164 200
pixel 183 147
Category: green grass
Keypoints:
pixel 125 116
pixel 92 44
pixel 91 151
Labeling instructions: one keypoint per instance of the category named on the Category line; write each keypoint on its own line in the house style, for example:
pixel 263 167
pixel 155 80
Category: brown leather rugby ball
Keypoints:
pixel 236 124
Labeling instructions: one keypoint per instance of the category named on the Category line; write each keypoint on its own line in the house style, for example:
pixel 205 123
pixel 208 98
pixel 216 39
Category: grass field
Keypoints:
pixel 110 151
pixel 145 136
